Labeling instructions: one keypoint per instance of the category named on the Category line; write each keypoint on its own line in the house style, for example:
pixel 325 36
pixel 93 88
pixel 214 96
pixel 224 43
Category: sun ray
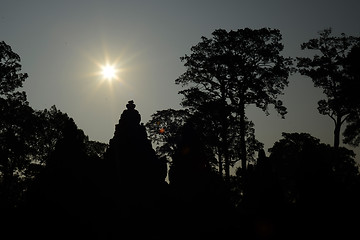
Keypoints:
pixel 110 73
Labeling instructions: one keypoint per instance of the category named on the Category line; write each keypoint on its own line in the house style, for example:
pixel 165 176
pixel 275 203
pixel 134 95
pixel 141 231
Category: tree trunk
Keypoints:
pixel 242 137
pixel 220 164
pixel 337 132
pixel 225 138
pixel 8 183
pixel 226 153
pixel 227 168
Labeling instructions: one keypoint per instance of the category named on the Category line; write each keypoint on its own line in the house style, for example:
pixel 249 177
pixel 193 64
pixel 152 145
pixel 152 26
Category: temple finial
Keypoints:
pixel 130 105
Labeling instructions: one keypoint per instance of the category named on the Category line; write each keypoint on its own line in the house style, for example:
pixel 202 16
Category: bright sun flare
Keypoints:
pixel 108 72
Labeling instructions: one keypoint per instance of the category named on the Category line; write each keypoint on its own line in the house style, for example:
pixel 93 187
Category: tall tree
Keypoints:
pixel 212 114
pixel 211 120
pixel 352 130
pixel 236 68
pixel 15 126
pixel 328 71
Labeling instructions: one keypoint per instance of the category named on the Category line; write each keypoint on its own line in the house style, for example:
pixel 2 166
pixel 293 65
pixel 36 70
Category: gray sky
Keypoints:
pixel 62 43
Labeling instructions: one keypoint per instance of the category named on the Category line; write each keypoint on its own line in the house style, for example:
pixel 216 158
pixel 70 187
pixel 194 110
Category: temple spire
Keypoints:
pixel 130 105
pixel 130 116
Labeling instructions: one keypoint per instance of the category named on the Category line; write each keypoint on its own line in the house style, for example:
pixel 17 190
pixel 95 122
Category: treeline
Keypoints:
pixel 55 182
pixel 235 69
pixel 303 180
pixel 28 137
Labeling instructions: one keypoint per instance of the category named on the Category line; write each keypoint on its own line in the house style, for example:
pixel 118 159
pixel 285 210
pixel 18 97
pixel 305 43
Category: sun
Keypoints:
pixel 109 72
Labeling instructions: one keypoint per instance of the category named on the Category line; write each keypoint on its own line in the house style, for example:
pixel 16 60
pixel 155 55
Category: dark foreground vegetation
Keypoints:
pixel 57 184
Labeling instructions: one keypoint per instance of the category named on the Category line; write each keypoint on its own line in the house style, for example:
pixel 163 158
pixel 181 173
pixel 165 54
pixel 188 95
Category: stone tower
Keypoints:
pixel 130 152
pixel 135 175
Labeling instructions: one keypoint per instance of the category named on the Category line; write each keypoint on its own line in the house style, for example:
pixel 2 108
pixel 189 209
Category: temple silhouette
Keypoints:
pixel 143 205
pixel 137 190
pixel 124 194
pixel 130 152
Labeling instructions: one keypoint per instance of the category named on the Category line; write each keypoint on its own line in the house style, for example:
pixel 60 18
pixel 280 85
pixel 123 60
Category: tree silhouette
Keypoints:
pixel 329 72
pixel 10 76
pixel 201 207
pixel 43 167
pixel 236 68
pixel 321 182
pixel 206 120
pixel 163 128
pixel 259 200
pixel 63 197
pixel 16 149
pixel 28 140
pixel 16 119
pixel 51 127
pixel 352 130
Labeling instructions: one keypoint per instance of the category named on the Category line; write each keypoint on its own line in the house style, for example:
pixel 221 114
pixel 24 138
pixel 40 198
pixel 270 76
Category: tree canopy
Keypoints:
pixel 331 71
pixel 314 174
pixel 27 137
pixel 11 76
pixel 236 68
pixel 163 128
